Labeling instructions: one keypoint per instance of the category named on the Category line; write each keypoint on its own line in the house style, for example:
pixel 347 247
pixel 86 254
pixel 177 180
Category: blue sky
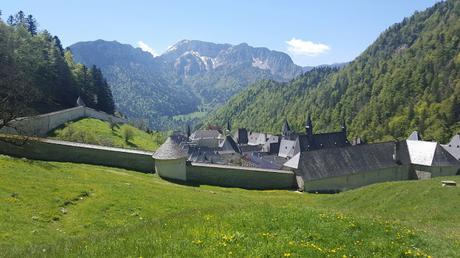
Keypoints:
pixel 311 32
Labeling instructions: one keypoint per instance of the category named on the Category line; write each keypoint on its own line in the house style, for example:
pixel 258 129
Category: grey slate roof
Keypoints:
pixel 171 149
pixel 288 148
pixel 242 136
pixel 430 154
pixel 415 136
pixel 453 147
pixel 229 145
pixel 443 158
pixel 323 140
pixel 335 162
pixel 205 134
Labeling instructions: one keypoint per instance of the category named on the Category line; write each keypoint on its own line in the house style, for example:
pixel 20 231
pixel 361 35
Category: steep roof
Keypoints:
pixel 430 154
pixel 286 128
pixel 443 158
pixel 288 148
pixel 229 145
pixel 415 136
pixel 171 149
pixel 293 162
pixel 421 152
pixel 334 162
pixel 256 138
pixel 242 136
pixel 453 147
pixel 205 134
pixel 323 140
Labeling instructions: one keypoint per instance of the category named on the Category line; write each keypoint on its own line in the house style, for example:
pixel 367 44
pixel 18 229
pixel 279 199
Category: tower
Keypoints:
pixel 286 130
pixel 309 126
pixel 344 127
pixel 229 127
pixel 189 132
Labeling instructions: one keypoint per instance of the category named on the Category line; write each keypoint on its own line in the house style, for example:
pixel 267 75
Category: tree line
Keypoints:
pixel 37 75
pixel 408 79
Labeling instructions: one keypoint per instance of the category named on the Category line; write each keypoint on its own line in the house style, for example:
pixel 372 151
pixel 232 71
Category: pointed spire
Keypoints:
pixel 309 126
pixel 344 126
pixel 189 132
pixel 286 130
pixel 229 127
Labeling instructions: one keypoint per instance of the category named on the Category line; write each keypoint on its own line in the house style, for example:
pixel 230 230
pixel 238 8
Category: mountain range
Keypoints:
pixel 187 81
pixel 408 79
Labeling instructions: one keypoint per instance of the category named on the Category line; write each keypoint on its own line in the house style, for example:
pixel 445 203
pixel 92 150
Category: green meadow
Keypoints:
pixel 51 209
pixel 94 131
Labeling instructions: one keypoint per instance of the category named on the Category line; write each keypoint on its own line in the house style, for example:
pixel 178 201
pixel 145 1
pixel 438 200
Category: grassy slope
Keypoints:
pixel 64 209
pixel 94 131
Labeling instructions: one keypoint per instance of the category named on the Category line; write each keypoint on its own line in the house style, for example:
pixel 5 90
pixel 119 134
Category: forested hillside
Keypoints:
pixel 191 78
pixel 408 79
pixel 37 75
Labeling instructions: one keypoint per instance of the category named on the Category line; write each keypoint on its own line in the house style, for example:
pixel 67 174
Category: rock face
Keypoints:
pixel 191 57
pixel 191 75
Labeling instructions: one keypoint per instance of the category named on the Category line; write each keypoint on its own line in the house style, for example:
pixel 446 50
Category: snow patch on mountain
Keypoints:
pixel 261 64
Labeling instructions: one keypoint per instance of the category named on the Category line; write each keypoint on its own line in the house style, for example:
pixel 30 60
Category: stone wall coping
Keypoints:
pixel 93 146
pixel 198 164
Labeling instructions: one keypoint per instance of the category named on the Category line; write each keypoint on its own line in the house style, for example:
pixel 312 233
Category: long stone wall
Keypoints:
pixel 40 125
pixel 53 150
pixel 244 177
pixel 342 183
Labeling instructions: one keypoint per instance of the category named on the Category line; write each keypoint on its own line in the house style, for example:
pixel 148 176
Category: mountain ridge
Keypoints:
pixel 408 79
pixel 190 76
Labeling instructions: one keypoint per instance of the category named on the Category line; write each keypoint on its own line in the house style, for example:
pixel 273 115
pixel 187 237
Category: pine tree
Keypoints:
pixel 58 44
pixel 10 20
pixel 105 97
pixel 19 18
pixel 31 25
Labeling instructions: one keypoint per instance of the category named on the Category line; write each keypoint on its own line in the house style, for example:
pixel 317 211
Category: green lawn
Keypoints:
pixel 74 210
pixel 94 131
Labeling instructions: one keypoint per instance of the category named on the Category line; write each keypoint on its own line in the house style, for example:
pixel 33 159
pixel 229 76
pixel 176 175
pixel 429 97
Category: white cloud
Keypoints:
pixel 147 48
pixel 306 48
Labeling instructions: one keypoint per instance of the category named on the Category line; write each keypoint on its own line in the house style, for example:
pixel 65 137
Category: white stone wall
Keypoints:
pixel 63 151
pixel 171 169
pixel 40 125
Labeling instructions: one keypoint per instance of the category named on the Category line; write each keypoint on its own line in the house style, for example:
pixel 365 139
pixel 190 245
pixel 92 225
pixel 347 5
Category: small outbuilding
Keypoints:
pixel 170 159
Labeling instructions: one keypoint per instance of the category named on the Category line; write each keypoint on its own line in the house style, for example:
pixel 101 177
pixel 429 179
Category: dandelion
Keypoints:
pixel 287 254
pixel 197 242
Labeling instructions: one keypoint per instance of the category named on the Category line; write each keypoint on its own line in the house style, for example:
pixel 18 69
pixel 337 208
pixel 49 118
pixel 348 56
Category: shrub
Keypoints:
pixel 128 134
